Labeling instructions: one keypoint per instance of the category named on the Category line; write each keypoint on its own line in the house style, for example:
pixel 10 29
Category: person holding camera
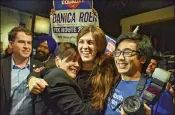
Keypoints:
pixel 153 64
pixel 132 56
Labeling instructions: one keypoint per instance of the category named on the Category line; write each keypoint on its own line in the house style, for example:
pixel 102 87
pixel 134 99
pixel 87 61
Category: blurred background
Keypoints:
pixel 155 18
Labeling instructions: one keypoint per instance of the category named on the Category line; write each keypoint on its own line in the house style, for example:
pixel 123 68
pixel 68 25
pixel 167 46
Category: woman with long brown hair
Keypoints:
pixel 97 74
pixel 102 82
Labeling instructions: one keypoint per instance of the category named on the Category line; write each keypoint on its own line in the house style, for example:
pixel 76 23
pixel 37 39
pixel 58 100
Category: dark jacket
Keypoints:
pixel 63 96
pixel 5 82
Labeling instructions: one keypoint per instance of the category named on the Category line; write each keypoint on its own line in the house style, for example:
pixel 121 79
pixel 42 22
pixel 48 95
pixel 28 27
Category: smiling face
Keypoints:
pixel 71 67
pixel 128 66
pixel 22 45
pixel 42 51
pixel 68 59
pixel 87 48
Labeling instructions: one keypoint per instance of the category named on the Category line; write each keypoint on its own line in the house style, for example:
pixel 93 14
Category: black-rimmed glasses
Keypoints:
pixel 125 52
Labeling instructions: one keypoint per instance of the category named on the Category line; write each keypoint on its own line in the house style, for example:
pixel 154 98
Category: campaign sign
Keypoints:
pixel 72 4
pixel 110 45
pixel 70 17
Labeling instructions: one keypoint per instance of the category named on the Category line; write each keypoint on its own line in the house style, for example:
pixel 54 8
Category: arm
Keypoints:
pixel 164 105
pixel 63 95
pixel 63 98
pixel 35 82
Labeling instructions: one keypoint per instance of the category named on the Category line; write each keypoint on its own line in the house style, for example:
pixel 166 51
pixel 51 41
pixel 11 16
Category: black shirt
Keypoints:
pixel 84 82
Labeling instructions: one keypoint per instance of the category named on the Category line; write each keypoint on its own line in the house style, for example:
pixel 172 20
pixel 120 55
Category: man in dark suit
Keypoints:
pixel 15 98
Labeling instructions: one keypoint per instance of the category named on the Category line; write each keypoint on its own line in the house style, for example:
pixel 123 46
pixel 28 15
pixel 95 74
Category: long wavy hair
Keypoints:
pixel 105 76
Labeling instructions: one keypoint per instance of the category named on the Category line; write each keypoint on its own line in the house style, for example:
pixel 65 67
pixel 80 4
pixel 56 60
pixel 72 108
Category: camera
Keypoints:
pixel 134 105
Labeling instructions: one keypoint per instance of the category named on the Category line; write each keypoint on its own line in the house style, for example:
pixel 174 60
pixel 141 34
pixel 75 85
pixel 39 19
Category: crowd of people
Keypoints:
pixel 67 79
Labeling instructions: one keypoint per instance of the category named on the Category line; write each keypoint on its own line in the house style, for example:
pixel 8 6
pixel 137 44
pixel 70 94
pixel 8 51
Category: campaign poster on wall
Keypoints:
pixel 70 17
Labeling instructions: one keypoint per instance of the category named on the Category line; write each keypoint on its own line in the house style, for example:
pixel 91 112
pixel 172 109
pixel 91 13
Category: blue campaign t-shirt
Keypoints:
pixel 121 92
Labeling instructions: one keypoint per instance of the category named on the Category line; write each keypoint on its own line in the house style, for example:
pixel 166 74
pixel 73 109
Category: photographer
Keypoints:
pixel 132 55
pixel 153 64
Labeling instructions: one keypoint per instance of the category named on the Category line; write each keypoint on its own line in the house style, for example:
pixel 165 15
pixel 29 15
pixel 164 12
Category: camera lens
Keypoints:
pixel 133 105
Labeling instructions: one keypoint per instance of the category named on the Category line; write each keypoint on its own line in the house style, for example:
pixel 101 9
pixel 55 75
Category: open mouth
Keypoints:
pixel 122 65
pixel 41 53
pixel 85 53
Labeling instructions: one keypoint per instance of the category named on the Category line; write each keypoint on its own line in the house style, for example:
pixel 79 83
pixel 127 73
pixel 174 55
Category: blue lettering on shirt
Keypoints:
pixel 122 91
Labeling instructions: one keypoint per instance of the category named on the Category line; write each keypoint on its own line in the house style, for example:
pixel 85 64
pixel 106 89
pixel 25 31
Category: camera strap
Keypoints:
pixel 139 89
pixel 141 85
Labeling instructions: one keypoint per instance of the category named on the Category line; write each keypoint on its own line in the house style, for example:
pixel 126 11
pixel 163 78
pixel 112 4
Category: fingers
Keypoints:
pixel 172 91
pixel 44 82
pixel 94 12
pixel 122 111
pixel 37 85
pixel 52 11
pixel 147 110
pixel 40 84
pixel 36 91
pixel 170 88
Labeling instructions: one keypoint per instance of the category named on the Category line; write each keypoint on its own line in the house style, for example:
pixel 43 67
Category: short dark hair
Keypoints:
pixel 67 50
pixel 157 58
pixel 143 45
pixel 15 30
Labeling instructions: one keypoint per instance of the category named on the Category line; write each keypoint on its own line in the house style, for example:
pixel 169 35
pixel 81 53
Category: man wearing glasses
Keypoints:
pixel 132 55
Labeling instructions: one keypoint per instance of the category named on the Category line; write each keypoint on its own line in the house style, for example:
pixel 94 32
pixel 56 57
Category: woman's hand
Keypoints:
pixel 94 11
pixel 37 85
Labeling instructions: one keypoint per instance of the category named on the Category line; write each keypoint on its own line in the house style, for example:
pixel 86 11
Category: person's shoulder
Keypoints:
pixel 56 73
pixel 5 60
pixel 33 61
pixel 56 76
pixel 148 80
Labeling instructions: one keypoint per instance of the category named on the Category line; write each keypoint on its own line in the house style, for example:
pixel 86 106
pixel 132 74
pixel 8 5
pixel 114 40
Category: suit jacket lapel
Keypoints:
pixel 31 65
pixel 7 77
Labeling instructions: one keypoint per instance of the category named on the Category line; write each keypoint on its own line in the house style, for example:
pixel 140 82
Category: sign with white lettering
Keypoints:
pixel 70 17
